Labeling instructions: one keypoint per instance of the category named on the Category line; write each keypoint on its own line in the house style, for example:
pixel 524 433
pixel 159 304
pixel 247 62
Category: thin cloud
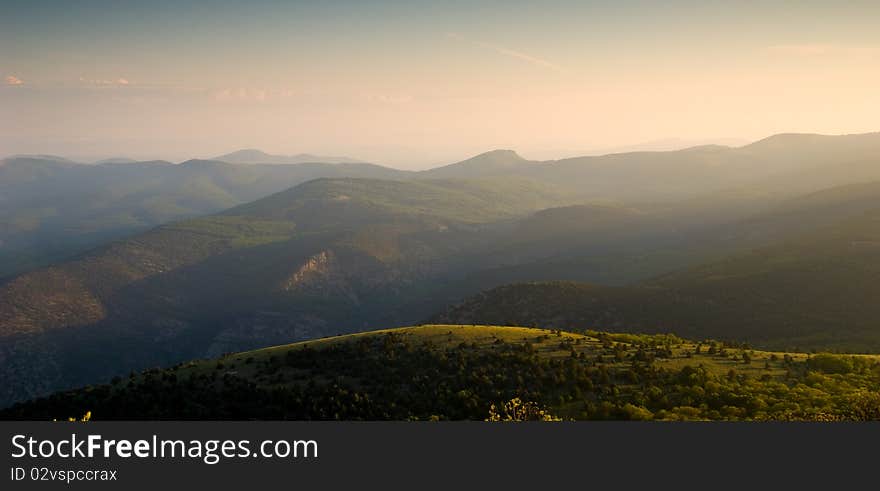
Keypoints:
pixel 13 80
pixel 117 82
pixel 247 94
pixel 251 94
pixel 534 60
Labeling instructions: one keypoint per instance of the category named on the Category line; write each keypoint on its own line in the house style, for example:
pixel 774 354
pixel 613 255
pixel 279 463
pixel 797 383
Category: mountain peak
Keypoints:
pixel 484 164
pixel 499 155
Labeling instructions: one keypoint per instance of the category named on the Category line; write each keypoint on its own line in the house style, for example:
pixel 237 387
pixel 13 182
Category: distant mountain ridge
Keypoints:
pixel 254 156
pixel 52 207
pixel 116 160
pixel 783 164
pixel 52 158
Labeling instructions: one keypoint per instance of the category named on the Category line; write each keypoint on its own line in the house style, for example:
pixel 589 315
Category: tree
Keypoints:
pixel 636 413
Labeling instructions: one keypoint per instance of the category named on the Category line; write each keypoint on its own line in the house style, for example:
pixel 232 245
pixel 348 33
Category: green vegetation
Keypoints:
pixel 464 201
pixel 240 232
pixel 354 247
pixel 489 373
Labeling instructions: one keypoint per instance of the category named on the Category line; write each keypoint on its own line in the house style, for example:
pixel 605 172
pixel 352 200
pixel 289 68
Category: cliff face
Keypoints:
pixel 319 269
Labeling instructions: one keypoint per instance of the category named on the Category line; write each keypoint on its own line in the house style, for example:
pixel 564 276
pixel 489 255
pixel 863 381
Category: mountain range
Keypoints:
pixel 51 208
pixel 115 268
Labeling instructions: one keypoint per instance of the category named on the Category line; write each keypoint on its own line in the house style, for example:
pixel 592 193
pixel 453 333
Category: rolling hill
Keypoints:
pixel 451 372
pixel 492 163
pixel 343 255
pixel 329 254
pixel 50 209
pixel 798 275
pixel 810 290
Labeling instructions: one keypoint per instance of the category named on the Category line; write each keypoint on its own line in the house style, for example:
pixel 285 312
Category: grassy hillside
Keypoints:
pixel 485 372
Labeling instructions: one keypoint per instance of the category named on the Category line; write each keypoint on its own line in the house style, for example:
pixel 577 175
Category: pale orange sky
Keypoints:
pixel 412 84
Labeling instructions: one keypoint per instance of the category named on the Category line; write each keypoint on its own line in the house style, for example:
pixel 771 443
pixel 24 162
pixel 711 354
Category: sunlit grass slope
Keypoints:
pixel 460 372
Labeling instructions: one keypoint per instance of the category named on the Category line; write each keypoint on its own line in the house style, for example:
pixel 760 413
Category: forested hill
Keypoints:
pixel 484 372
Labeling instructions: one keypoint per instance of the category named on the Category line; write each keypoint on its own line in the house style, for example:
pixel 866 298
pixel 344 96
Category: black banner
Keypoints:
pixel 324 455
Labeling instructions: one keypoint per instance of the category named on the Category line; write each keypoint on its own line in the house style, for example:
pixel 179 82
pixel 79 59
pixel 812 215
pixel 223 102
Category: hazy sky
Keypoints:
pixel 414 83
